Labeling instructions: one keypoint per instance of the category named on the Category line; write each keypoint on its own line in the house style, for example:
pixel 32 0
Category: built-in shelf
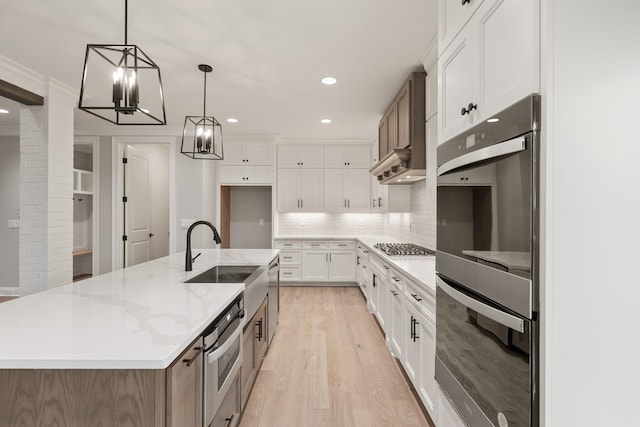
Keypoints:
pixel 82 181
pixel 82 252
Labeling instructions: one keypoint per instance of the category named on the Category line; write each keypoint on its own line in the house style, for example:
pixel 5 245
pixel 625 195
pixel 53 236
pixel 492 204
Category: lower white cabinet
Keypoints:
pixel 397 315
pixel 317 260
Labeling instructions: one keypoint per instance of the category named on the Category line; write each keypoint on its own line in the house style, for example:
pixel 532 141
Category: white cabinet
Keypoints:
pixel 250 175
pixel 328 261
pixel 248 154
pixel 419 361
pixel 82 181
pixel 397 316
pixel 346 190
pixel 390 198
pixel 492 63
pixel 290 259
pixel 379 292
pixel 314 265
pixel 341 268
pixel 347 156
pixel 300 190
pixel 452 16
pixel 300 156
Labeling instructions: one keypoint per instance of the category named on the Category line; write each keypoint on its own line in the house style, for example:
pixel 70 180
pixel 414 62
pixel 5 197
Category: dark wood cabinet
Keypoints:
pixel 254 348
pixel 402 125
pixel 184 388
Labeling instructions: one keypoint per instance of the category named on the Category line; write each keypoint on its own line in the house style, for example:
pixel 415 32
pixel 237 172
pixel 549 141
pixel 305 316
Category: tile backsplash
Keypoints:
pixel 417 226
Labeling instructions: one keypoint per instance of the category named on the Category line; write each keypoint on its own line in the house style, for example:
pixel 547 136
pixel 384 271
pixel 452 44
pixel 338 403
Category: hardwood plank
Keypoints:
pixel 328 365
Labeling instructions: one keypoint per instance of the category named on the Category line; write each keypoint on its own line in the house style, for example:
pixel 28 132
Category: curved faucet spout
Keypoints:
pixel 216 238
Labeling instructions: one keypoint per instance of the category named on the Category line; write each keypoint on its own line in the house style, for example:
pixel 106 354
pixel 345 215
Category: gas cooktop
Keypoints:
pixel 403 249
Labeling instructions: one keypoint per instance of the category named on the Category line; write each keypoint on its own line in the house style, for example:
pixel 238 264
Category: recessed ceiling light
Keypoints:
pixel 325 121
pixel 232 120
pixel 329 80
pixel 3 111
pixel 493 120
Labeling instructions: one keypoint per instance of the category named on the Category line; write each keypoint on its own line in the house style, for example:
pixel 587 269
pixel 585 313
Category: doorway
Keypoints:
pixel 144 200
pixel 245 217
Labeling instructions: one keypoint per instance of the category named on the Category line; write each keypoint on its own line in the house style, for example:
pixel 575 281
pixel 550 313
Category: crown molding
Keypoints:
pixel 21 76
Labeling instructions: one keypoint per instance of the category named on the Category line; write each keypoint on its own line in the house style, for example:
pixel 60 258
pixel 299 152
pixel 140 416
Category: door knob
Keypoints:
pixel 151 234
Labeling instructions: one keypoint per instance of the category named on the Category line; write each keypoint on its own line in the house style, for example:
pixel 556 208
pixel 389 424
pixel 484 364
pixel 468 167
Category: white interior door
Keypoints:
pixel 137 225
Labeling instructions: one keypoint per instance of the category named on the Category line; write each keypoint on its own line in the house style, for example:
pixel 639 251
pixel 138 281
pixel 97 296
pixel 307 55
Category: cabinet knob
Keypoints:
pixel 465 2
pixel 469 108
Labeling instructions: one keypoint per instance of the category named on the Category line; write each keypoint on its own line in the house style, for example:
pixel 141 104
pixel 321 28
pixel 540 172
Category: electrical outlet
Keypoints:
pixel 186 223
pixel 301 221
pixel 360 222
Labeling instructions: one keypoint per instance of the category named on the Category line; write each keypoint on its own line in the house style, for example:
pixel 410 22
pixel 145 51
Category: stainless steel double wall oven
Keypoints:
pixel 487 269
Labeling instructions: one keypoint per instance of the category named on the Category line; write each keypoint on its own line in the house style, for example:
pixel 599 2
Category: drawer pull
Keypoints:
pixel 416 297
pixel 288 257
pixel 189 362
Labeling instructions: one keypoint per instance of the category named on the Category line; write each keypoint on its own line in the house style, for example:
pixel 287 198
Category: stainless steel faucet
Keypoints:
pixel 216 238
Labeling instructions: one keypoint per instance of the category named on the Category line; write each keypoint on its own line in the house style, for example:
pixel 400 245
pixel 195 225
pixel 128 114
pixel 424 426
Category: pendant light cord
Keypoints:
pixel 126 8
pixel 204 102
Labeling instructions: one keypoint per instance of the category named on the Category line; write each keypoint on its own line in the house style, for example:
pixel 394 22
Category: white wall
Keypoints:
pixel 591 88
pixel 10 197
pixel 105 231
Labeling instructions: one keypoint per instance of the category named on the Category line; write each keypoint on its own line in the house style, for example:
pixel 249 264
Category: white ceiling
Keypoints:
pixel 268 56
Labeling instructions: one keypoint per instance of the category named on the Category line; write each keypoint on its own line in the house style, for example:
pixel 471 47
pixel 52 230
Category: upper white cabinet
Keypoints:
pixel 492 63
pixel 300 156
pixel 452 16
pixel 248 154
pixel 347 156
pixel 300 190
pixel 248 163
pixel 346 190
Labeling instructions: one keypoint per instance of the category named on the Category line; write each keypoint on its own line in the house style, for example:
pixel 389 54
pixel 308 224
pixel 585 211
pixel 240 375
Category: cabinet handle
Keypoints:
pixel 188 362
pixel 469 108
pixel 259 325
pixel 395 294
pixel 345 203
pixel 415 333
pixel 374 203
pixel 228 421
pixel 374 280
pixel 379 202
pixel 329 256
pixel 302 203
pixel 349 203
pixel 411 328
pixel 358 260
pixel 465 2
pixel 287 273
pixel 416 297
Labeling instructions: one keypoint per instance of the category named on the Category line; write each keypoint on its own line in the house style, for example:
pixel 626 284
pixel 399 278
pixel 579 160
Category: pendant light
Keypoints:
pixel 121 84
pixel 202 135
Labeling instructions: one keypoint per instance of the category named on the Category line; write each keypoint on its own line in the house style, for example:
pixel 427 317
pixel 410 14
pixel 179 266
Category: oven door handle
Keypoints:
pixel 494 314
pixel 502 149
pixel 214 355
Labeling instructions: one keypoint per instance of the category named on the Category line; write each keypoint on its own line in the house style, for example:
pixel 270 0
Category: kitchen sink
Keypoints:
pixel 225 274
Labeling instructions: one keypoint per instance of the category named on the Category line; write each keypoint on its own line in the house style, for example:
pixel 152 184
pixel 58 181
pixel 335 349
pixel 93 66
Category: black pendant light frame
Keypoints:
pixel 128 60
pixel 207 131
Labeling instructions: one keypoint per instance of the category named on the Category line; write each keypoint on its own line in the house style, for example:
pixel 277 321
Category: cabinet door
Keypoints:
pixel 358 189
pixel 335 156
pixel 412 349
pixel 507 34
pixel 383 138
pixel 258 175
pixel 403 103
pixel 457 68
pixel 383 303
pixel 184 388
pixel 233 154
pixel 392 128
pixel 398 323
pixel 248 369
pixel 258 154
pixel 311 189
pixel 310 156
pixel 232 174
pixel 335 194
pixel 314 265
pixel 260 333
pixel 373 292
pixel 358 156
pixel 342 266
pixel 453 15
pixel 288 156
pixel 427 388
pixel 288 197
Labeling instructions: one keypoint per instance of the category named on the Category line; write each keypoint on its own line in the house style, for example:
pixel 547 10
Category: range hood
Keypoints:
pixel 401 166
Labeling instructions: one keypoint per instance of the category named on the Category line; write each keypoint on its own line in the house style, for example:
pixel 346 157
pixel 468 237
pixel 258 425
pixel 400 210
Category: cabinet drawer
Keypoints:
pixel 315 244
pixel 288 274
pixel 286 244
pixel 342 245
pixel 421 297
pixel 396 280
pixel 289 257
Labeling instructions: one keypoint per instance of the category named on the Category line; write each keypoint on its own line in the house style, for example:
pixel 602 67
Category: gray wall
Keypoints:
pixel 9 205
pixel 249 205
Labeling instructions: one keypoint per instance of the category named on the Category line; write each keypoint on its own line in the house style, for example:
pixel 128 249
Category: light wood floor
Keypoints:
pixel 328 366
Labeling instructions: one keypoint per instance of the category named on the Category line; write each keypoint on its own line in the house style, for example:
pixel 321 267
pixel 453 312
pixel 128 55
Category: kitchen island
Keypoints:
pixel 97 352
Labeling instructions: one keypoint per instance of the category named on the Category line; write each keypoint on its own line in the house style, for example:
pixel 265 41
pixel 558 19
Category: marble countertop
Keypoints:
pixel 421 269
pixel 141 317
